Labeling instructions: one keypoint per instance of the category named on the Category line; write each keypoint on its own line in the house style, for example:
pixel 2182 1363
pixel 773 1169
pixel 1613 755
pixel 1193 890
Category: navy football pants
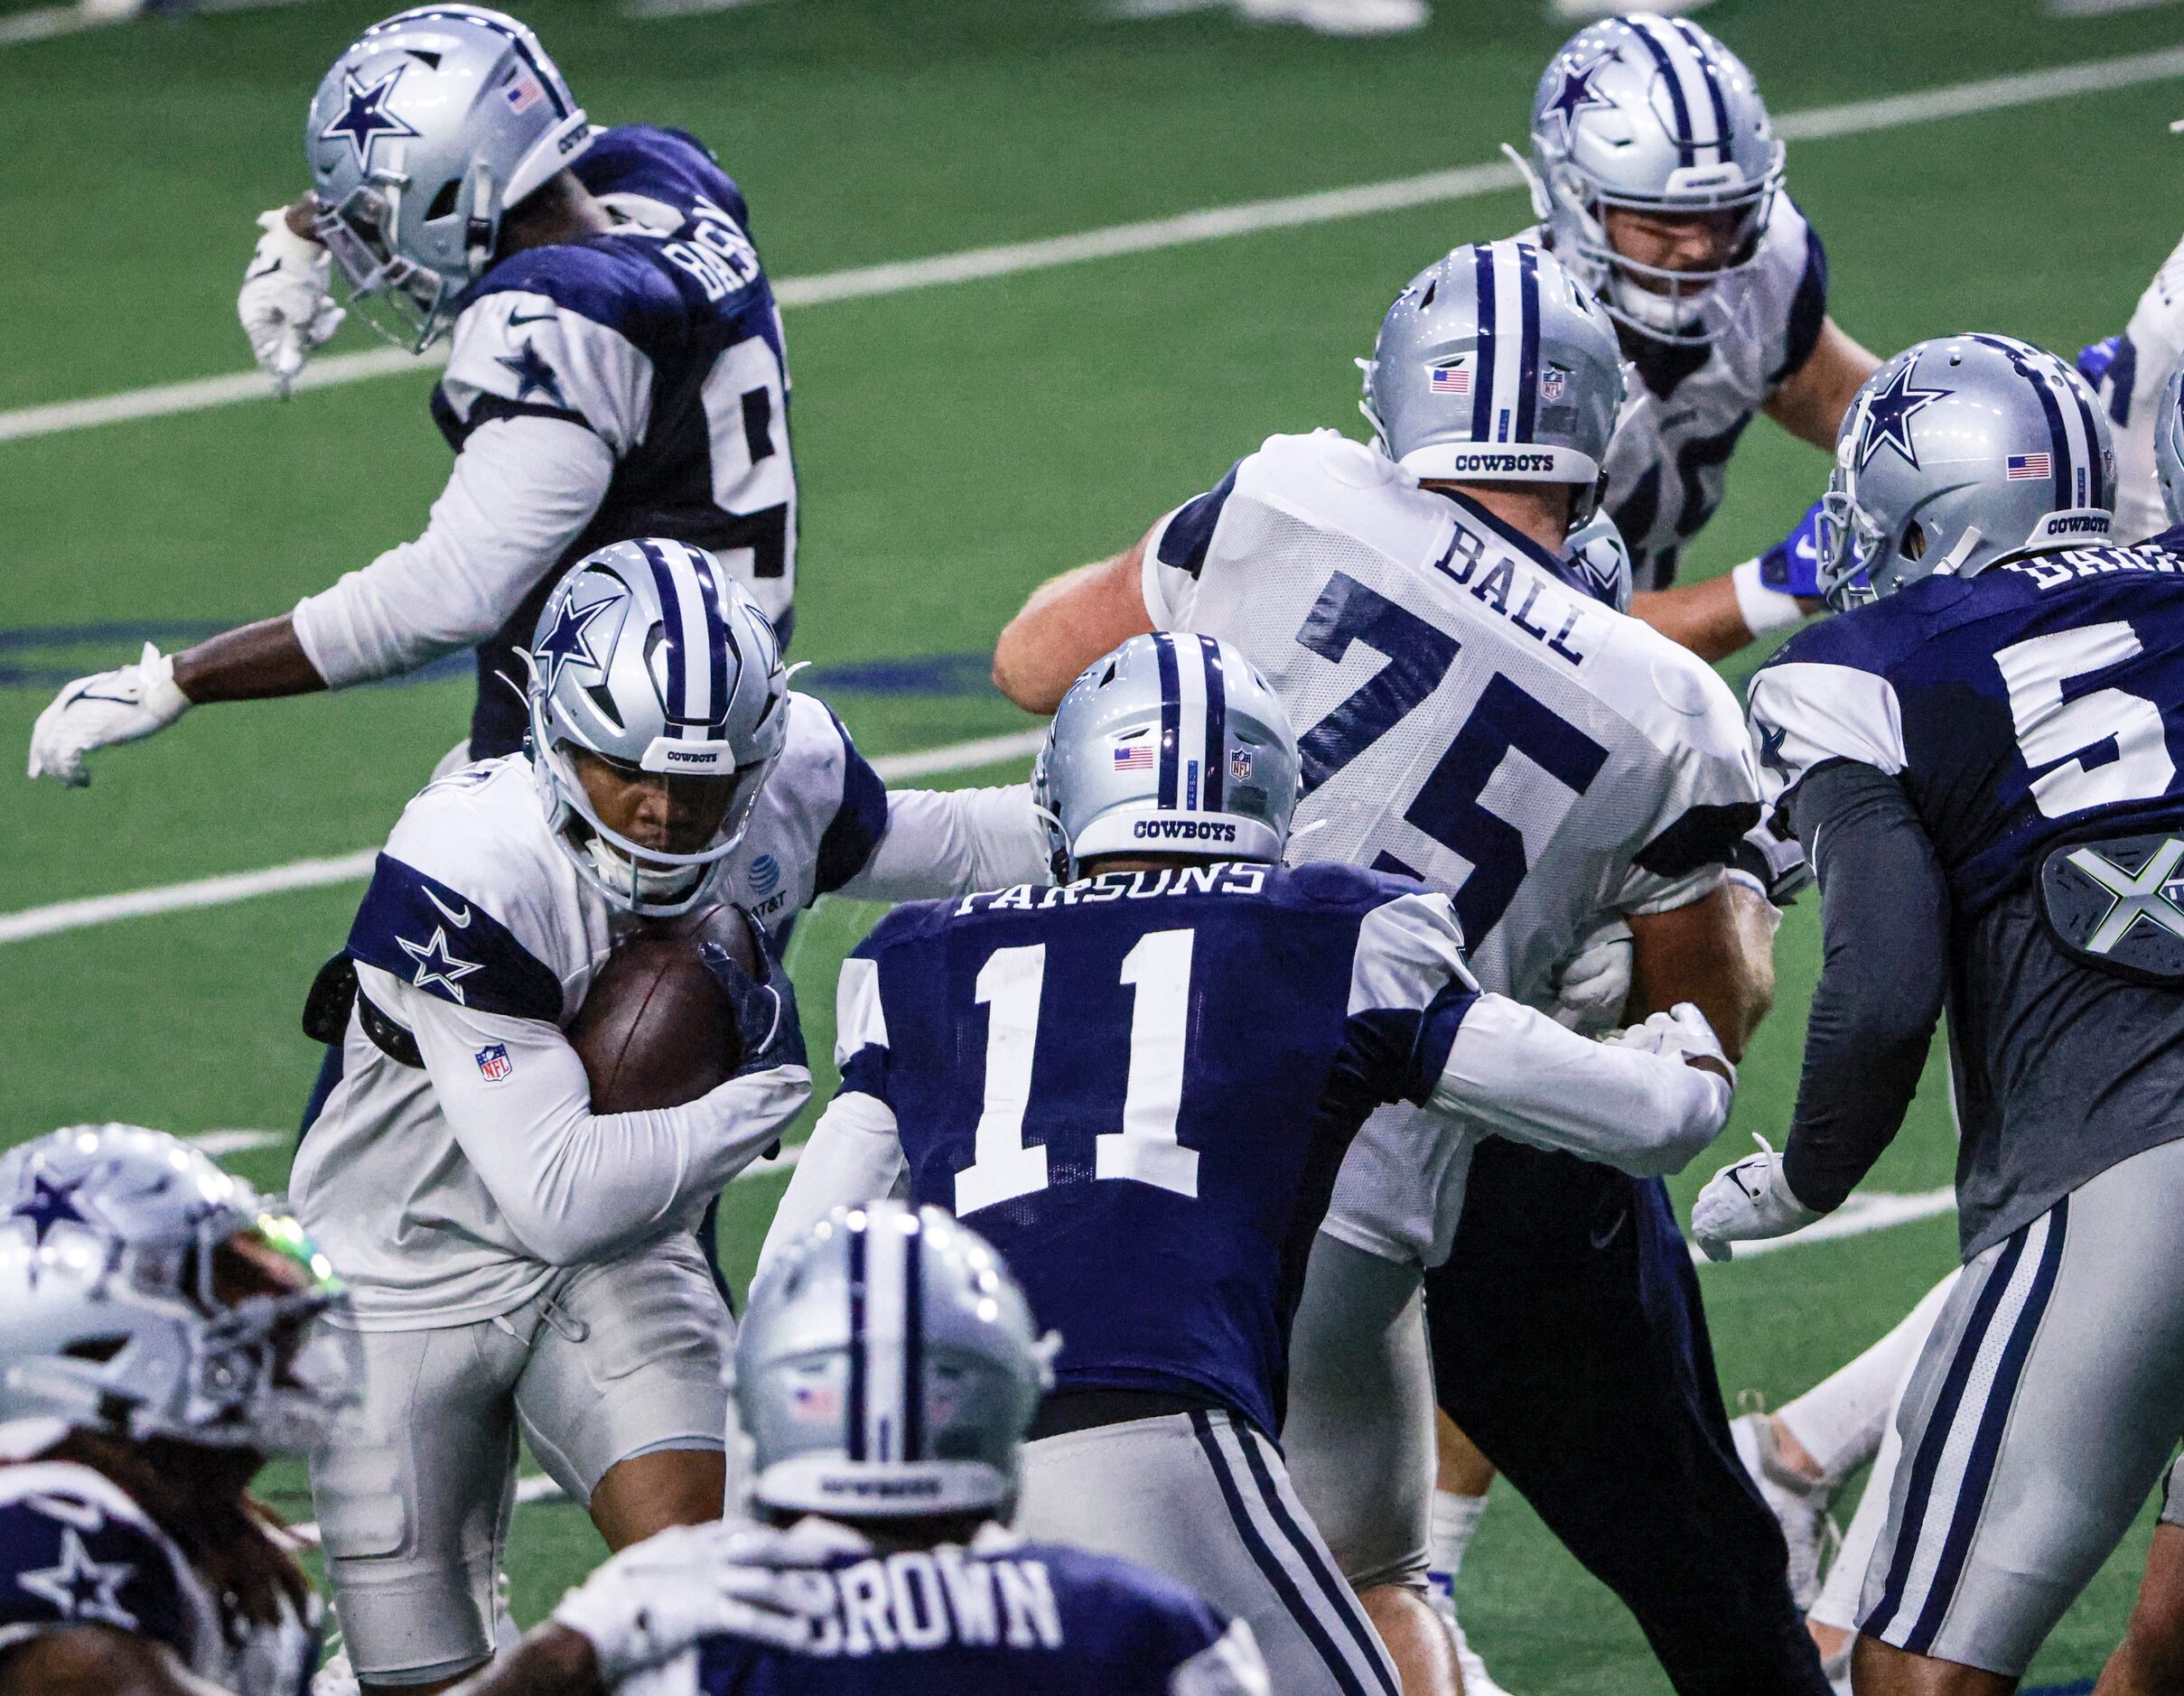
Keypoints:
pixel 1570 1343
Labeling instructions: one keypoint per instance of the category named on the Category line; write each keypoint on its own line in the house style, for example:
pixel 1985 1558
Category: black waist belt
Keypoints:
pixel 326 1014
pixel 1088 1409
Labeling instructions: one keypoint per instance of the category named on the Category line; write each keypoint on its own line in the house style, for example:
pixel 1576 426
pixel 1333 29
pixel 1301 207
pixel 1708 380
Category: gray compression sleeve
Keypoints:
pixel 1885 920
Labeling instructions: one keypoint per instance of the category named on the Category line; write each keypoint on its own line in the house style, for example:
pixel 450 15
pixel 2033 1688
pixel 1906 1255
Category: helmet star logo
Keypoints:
pixel 436 965
pixel 567 643
pixel 80 1588
pixel 365 118
pixel 534 376
pixel 48 1205
pixel 1888 416
pixel 1575 94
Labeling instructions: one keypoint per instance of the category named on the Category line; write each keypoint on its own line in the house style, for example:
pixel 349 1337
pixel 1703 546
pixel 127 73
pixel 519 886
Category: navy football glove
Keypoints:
pixel 2093 362
pixel 766 1017
pixel 1791 567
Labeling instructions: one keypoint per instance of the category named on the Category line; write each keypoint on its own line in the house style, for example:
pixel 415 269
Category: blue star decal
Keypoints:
pixel 1771 738
pixel 81 1587
pixel 1575 94
pixel 366 117
pixel 49 1203
pixel 436 965
pixel 1888 418
pixel 534 376
pixel 566 644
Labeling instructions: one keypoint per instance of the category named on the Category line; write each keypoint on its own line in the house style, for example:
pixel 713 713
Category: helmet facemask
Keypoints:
pixel 1686 307
pixel 403 301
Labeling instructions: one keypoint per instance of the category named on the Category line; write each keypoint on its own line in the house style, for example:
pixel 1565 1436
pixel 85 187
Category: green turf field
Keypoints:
pixel 956 444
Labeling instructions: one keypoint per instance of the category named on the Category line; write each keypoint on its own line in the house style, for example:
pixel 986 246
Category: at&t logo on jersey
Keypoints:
pixel 1183 829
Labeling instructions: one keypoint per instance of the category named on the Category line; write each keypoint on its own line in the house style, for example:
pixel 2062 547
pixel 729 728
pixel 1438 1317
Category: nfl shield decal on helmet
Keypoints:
pixel 1554 383
pixel 493 1063
pixel 1239 763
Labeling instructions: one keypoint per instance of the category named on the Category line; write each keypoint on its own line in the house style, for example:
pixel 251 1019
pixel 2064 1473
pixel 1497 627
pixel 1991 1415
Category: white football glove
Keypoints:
pixel 284 306
pixel 658 1597
pixel 96 711
pixel 1591 986
pixel 1681 1033
pixel 1748 1200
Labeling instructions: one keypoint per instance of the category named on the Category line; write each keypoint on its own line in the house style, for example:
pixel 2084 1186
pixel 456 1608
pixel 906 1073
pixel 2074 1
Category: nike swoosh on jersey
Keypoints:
pixel 460 923
pixel 536 318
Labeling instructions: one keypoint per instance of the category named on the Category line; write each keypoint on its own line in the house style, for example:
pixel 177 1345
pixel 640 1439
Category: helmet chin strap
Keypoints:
pixel 619 873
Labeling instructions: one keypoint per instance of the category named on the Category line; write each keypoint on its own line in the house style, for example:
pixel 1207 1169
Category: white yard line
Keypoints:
pixel 1857 117
pixel 1854 1217
pixel 311 874
pixel 2101 9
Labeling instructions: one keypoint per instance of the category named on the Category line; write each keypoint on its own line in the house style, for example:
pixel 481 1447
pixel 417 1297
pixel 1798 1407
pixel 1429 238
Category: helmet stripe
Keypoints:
pixel 1527 365
pixel 1697 40
pixel 1482 379
pixel 885 1255
pixel 1643 28
pixel 1191 748
pixel 1163 649
pixel 2059 433
pixel 1216 723
pixel 858 1364
pixel 548 79
pixel 704 569
pixel 2095 470
pixel 913 1341
pixel 674 628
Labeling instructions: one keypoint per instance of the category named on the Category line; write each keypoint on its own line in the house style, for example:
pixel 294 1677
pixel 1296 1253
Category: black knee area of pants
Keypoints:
pixel 1570 1343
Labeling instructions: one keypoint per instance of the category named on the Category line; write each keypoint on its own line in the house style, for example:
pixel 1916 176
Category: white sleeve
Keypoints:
pixel 853 1156
pixel 523 489
pixel 575 1185
pixel 2156 336
pixel 1807 711
pixel 1520 1072
pixel 1231 1665
pixel 1709 795
pixel 942 842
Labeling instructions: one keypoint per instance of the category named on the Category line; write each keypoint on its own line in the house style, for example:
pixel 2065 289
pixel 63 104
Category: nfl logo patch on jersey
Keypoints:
pixel 493 1063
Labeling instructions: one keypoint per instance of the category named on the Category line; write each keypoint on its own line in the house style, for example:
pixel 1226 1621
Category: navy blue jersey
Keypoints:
pixel 1139 1088
pixel 2028 718
pixel 76 1553
pixel 662 338
pixel 1007 1621
pixel 2041 700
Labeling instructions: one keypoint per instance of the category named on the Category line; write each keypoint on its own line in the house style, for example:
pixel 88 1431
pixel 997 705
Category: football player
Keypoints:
pixel 616 370
pixel 2131 372
pixel 1560 770
pixel 517 1258
pixel 164 1331
pixel 884 1378
pixel 1980 763
pixel 1658 183
pixel 1177 1044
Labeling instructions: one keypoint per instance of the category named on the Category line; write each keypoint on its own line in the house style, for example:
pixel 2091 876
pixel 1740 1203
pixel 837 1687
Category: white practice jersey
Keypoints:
pixel 1668 462
pixel 1465 718
pixel 2151 346
pixel 76 1551
pixel 449 1191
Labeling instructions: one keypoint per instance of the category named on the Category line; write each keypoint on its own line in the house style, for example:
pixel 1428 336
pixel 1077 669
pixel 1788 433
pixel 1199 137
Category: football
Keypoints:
pixel 656 1030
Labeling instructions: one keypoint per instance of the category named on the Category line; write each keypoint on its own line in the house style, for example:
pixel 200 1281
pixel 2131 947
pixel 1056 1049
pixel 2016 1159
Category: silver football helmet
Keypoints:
pixel 888 1368
pixel 2168 446
pixel 1653 114
pixel 1957 453
pixel 653 662
pixel 1173 744
pixel 144 1292
pixel 1596 561
pixel 422 137
pixel 1495 366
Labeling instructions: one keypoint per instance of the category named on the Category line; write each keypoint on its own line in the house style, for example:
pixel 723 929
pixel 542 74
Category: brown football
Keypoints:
pixel 656 1030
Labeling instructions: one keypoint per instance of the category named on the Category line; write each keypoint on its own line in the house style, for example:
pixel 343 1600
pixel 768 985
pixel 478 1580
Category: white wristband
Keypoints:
pixel 1762 609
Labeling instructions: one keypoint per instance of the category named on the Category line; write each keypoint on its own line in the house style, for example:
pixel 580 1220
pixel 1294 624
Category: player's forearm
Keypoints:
pixel 1883 914
pixel 1520 1072
pixel 254 662
pixel 853 1156
pixel 1069 622
pixel 522 490
pixel 1703 617
pixel 1811 402
pixel 946 843
pixel 1717 952
pixel 551 1661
